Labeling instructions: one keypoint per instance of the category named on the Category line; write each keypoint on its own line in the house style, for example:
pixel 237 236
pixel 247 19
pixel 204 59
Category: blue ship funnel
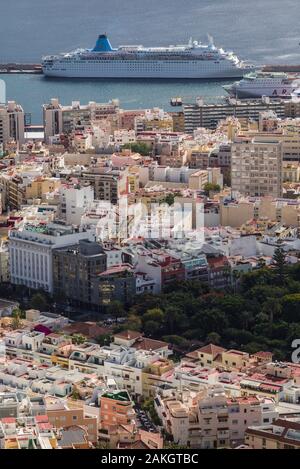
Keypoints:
pixel 102 44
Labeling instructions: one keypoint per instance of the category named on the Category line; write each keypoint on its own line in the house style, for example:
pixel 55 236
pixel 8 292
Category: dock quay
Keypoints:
pixel 282 68
pixel 20 68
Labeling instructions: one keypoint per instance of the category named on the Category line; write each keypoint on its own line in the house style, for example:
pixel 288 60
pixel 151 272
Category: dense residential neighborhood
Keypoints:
pixel 150 277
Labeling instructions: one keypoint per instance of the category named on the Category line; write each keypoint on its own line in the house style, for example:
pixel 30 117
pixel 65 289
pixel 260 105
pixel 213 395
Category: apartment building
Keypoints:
pixel 281 434
pixel 31 251
pixel 208 115
pixel 108 184
pixel 12 123
pixel 118 283
pixel 256 167
pixel 154 120
pixel 209 419
pixel 116 408
pixel 73 201
pixel 64 414
pixel 39 187
pixel 67 119
pixel 73 268
pixel 237 212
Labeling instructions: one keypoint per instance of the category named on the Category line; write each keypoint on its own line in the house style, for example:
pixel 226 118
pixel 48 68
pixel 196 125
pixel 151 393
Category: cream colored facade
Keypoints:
pixel 12 123
pixel 41 186
pixel 198 180
pixel 256 167
pixel 175 159
pixel 209 419
pixel 291 171
pixel 154 120
pixel 237 213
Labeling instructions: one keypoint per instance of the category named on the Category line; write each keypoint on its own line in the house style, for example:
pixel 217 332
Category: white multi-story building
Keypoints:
pixel 123 137
pixel 30 252
pixel 74 199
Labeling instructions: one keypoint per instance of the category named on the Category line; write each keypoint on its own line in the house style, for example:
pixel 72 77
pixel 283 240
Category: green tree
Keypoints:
pixel 170 198
pixel 154 314
pixel 152 328
pixel 272 308
pixel 115 310
pixel 16 318
pixel 180 342
pixel 133 323
pixel 78 339
pixel 75 395
pixel 213 338
pixel 173 318
pixel 280 263
pixel 291 307
pixel 138 147
pixel 39 302
pixel 210 187
pixel 104 339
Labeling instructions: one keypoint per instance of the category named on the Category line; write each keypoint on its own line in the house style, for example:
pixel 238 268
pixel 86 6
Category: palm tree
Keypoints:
pixel 16 318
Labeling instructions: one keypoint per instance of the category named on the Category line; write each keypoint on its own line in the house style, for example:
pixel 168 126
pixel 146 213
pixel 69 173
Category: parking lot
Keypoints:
pixel 144 421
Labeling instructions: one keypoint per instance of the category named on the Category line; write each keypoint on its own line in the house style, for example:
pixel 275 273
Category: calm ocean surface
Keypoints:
pixel 263 31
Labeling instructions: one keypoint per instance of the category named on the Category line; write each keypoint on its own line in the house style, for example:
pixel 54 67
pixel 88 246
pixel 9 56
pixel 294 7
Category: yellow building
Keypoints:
pixel 152 376
pixel 178 121
pixel 41 186
pixel 235 359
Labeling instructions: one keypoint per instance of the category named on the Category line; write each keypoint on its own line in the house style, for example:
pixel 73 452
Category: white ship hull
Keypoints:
pixel 183 72
pixel 259 92
pixel 256 85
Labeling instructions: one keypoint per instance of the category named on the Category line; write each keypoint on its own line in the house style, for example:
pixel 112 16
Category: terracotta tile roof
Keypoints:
pixel 117 269
pixel 265 355
pixel 192 355
pixel 136 445
pixel 8 420
pixel 149 344
pixel 211 349
pixel 216 262
pixel 88 329
pixel 129 335
pixel 41 418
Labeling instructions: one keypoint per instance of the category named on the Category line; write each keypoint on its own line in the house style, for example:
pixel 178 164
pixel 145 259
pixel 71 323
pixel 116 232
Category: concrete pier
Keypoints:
pixel 20 68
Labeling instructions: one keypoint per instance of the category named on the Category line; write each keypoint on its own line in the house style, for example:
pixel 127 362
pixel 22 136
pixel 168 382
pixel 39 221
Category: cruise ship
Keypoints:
pixel 256 85
pixel 192 60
